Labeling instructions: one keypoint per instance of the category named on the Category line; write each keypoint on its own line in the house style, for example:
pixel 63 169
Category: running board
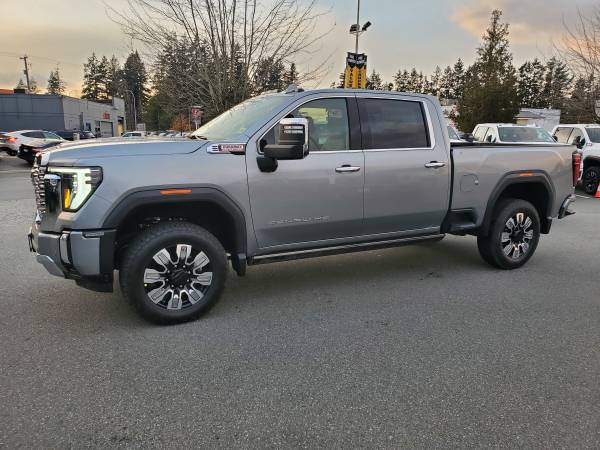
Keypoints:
pixel 341 249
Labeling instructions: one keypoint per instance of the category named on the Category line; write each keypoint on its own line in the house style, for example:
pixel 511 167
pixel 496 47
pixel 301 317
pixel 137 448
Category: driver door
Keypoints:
pixel 316 200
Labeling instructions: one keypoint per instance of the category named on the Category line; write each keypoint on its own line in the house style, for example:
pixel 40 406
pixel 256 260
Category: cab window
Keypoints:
pixel 328 128
pixel 576 137
pixel 562 134
pixel 480 133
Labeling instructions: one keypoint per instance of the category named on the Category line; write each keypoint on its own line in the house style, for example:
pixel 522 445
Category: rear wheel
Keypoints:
pixel 591 179
pixel 174 272
pixel 513 237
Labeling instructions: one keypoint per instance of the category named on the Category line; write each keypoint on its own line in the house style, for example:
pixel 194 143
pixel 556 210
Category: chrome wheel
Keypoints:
pixel 178 277
pixel 517 236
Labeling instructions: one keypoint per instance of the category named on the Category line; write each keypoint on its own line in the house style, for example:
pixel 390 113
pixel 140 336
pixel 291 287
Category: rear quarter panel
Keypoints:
pixel 480 169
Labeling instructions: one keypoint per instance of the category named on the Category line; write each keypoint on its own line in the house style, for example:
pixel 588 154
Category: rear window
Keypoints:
pixel 479 134
pixel 562 134
pixel 393 124
pixel 524 134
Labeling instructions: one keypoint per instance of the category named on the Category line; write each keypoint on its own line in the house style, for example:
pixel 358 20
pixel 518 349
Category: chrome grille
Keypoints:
pixel 37 178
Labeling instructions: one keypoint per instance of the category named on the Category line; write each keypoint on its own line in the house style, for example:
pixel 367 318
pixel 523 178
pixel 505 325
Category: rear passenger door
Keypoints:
pixel 407 176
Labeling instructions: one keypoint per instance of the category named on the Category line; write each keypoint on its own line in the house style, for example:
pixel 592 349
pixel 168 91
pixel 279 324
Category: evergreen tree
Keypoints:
pixel 134 79
pixel 459 78
pixel 435 85
pixel 374 82
pixel 402 81
pixel 531 84
pixel 581 106
pixel 415 81
pixel 115 83
pixel 269 76
pixel 557 84
pixel 291 76
pixel 490 93
pixel 93 79
pixel 446 83
pixel 56 86
pixel 21 84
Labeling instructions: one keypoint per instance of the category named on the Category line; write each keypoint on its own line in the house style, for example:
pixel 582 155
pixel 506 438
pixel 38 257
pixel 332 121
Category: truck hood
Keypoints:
pixel 69 153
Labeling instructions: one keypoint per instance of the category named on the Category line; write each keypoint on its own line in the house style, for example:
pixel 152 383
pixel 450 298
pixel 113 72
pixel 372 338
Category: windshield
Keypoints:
pixel 594 134
pixel 524 134
pixel 240 118
pixel 453 134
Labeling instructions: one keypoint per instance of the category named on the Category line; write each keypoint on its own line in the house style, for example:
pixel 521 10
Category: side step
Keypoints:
pixel 341 249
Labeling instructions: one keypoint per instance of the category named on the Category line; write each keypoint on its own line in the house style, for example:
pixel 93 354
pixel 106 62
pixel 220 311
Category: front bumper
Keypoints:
pixel 84 256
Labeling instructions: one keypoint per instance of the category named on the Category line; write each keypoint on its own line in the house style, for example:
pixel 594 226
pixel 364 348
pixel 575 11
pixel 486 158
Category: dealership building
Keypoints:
pixel 22 111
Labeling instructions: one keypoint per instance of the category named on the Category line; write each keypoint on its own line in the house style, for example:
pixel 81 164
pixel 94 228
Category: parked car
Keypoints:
pixel 69 134
pixel 28 152
pixel 134 134
pixel 587 139
pixel 286 176
pixel 30 137
pixel 5 140
pixel 498 133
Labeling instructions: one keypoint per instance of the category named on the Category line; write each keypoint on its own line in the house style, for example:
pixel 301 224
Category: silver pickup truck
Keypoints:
pixel 283 176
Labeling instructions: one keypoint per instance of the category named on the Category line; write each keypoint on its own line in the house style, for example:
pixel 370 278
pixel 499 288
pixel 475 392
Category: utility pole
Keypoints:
pixel 358 25
pixel 26 71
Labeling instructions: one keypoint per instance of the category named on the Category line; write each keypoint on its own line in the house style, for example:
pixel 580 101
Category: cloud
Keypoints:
pixel 532 22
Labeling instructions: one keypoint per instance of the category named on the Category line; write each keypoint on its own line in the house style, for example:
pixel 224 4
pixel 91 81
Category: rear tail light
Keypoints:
pixel 12 139
pixel 576 167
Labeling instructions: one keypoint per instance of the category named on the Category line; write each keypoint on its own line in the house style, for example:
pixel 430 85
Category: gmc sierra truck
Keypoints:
pixel 283 176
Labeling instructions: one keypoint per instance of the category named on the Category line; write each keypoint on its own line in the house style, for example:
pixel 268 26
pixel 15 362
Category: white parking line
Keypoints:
pixel 14 171
pixel 584 196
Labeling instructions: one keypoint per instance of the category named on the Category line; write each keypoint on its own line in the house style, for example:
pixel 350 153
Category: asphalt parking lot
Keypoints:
pixel 415 347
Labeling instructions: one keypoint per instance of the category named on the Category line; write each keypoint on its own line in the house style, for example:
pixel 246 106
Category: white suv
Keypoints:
pixel 12 141
pixel 587 139
pixel 507 133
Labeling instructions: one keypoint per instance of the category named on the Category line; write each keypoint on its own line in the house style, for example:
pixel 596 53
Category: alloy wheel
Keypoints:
pixel 178 277
pixel 517 236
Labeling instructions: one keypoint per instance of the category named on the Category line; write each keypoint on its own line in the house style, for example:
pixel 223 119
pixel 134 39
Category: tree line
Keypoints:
pixel 494 90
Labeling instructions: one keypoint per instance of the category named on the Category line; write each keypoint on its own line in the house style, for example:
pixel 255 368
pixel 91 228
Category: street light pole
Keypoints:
pixel 134 110
pixel 358 25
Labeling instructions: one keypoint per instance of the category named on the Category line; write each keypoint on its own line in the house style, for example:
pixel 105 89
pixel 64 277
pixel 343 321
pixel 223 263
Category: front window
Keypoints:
pixel 328 126
pixel 594 134
pixel 524 134
pixel 240 118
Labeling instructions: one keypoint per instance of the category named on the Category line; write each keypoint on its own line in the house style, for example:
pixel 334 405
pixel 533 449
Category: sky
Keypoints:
pixel 404 34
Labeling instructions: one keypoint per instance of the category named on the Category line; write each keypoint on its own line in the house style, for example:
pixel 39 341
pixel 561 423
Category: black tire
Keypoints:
pixel 520 247
pixel 139 256
pixel 590 180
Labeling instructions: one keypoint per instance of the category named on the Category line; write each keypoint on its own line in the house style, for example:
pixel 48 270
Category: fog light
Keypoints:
pixel 64 248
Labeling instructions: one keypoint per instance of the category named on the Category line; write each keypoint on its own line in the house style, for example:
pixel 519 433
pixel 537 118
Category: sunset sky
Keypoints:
pixel 405 33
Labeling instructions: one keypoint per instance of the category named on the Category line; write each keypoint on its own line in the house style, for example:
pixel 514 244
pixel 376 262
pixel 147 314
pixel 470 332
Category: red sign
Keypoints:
pixel 106 116
pixel 196 113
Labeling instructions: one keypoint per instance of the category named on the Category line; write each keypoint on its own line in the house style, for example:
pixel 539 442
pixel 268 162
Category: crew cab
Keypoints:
pixel 507 133
pixel 587 139
pixel 285 176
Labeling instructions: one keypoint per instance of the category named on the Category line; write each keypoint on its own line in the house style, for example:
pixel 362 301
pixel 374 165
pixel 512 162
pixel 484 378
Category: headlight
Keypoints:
pixel 77 185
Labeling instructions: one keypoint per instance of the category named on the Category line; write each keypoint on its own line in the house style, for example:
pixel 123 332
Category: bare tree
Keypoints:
pixel 226 40
pixel 581 49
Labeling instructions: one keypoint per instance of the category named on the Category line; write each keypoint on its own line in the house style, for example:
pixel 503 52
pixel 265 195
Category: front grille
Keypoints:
pixel 37 178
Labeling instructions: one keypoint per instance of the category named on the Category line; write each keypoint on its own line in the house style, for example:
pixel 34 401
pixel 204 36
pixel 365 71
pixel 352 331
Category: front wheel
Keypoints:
pixel 513 237
pixel 591 179
pixel 173 272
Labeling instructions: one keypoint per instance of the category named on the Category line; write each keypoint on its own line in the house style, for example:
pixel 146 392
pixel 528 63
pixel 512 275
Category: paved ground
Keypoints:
pixel 414 347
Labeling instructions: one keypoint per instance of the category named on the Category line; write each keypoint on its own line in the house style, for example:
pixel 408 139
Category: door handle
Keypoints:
pixel 435 165
pixel 347 169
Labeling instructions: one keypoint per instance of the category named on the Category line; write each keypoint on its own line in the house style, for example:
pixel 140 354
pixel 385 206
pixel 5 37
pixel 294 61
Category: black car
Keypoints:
pixel 68 134
pixel 29 152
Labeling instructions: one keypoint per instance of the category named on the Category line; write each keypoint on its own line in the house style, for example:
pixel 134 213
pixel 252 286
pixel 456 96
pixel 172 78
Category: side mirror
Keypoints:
pixel 581 144
pixel 291 137
pixel 469 137
pixel 555 138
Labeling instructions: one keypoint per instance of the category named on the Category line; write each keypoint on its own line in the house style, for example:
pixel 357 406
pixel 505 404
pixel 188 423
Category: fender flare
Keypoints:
pixel 513 178
pixel 198 194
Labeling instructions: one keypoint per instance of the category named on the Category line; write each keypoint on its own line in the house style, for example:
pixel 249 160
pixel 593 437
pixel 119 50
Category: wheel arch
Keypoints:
pixel 534 187
pixel 207 207
pixel 590 161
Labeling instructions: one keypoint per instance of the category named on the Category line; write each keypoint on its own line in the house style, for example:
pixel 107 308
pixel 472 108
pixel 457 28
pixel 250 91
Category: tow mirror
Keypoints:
pixel 291 140
pixel 581 144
